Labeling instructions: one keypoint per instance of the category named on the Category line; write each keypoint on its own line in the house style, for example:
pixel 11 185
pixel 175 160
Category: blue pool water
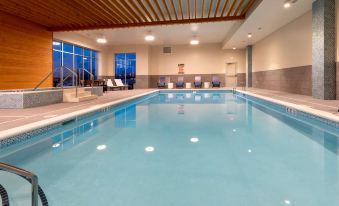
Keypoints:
pixel 182 149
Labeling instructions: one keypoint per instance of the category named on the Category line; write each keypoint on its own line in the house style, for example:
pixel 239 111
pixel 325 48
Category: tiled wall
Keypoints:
pixel 293 80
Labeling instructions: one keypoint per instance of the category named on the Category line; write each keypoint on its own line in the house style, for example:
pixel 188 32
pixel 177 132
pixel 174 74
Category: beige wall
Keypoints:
pixel 337 23
pixel 201 59
pixel 290 46
pixel 143 57
pixel 77 39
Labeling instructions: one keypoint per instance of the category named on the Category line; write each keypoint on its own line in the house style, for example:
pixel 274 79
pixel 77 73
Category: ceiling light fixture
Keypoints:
pixel 234 48
pixel 194 42
pixel 249 35
pixel 149 36
pixel 102 40
pixel 288 3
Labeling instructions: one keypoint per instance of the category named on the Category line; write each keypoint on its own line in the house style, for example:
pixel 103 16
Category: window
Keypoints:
pixel 125 67
pixel 82 61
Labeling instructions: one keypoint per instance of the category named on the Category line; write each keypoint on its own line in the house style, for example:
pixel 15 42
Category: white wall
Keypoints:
pixel 290 46
pixel 200 59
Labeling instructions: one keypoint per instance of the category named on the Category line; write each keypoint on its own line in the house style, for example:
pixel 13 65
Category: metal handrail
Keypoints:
pixel 92 76
pixel 32 178
pixel 43 80
pixel 62 79
pixel 70 75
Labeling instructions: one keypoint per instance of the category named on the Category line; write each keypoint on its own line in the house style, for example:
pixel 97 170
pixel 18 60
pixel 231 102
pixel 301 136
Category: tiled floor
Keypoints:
pixel 330 106
pixel 10 118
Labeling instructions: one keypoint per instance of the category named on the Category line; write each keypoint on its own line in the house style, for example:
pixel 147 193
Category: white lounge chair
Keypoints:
pixel 110 85
pixel 119 83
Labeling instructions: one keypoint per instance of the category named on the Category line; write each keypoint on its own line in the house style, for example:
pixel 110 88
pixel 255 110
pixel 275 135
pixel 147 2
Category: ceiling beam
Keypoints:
pixel 182 13
pixel 159 9
pixel 202 8
pixel 249 4
pixel 188 9
pixel 224 8
pixel 217 8
pixel 132 3
pixel 103 9
pixel 154 23
pixel 238 8
pixel 152 9
pixel 167 10
pixel 145 10
pixel 174 10
pixel 195 9
pixel 122 9
pixel 129 9
pixel 210 9
pixel 231 9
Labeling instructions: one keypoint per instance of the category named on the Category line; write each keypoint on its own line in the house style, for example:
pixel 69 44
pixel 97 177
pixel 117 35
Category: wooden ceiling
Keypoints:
pixel 67 15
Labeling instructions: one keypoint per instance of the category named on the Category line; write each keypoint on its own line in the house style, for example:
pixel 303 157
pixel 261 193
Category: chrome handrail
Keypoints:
pixel 92 76
pixel 43 80
pixel 33 179
pixel 62 79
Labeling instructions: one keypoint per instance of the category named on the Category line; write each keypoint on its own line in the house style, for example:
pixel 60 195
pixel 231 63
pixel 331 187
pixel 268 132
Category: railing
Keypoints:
pixel 42 81
pixel 91 76
pixel 62 78
pixel 32 178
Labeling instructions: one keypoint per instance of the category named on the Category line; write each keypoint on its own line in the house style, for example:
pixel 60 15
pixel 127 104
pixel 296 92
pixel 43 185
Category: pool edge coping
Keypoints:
pixel 8 133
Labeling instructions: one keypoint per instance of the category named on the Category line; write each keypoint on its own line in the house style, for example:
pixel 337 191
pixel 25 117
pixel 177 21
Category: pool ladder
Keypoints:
pixel 30 177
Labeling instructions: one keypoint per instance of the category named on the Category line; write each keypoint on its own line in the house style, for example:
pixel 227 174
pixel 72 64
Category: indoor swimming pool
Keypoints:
pixel 178 149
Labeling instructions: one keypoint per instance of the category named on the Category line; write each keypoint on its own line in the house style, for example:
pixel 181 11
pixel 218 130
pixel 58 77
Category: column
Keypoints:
pixel 249 66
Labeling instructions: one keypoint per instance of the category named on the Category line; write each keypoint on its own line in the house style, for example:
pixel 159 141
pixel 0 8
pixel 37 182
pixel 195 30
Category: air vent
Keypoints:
pixel 167 50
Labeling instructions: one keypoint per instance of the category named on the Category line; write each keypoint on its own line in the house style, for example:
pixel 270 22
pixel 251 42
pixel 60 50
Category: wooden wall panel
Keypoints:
pixel 25 53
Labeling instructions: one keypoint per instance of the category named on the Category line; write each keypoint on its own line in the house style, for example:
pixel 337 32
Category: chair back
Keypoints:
pixel 118 82
pixel 197 79
pixel 215 79
pixel 110 83
pixel 181 79
pixel 162 80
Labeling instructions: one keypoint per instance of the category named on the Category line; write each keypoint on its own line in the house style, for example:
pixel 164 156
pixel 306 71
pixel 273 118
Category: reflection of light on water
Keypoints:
pixel 207 95
pixel 181 109
pixel 249 151
pixel 149 149
pixel 170 96
pixel 56 145
pixel 234 130
pixel 101 147
pixel 194 139
pixel 197 98
pixel 188 95
pixel 287 202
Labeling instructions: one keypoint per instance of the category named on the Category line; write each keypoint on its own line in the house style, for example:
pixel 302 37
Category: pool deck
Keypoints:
pixel 12 119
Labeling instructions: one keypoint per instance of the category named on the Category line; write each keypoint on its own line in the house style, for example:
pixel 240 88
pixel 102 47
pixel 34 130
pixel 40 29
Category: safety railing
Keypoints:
pixel 32 178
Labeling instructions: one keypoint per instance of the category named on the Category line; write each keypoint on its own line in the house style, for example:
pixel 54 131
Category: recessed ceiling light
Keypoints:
pixel 101 40
pixel 287 5
pixel 194 42
pixel 101 147
pixel 149 37
pixel 234 48
pixel 249 35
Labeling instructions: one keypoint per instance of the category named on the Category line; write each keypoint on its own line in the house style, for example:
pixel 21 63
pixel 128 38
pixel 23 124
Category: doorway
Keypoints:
pixel 231 75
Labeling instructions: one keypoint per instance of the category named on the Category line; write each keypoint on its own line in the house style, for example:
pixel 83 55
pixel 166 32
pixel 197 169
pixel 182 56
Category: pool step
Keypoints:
pixel 83 95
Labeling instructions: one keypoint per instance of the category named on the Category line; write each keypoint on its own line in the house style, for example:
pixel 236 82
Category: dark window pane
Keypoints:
pixel 78 65
pixel 87 52
pixel 87 67
pixel 56 67
pixel 57 45
pixel 77 50
pixel 94 67
pixel 68 47
pixel 68 62
pixel 131 55
pixel 94 54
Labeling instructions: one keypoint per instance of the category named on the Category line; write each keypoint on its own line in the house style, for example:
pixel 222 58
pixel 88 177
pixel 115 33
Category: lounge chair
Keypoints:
pixel 110 85
pixel 162 82
pixel 215 81
pixel 119 84
pixel 197 82
pixel 180 83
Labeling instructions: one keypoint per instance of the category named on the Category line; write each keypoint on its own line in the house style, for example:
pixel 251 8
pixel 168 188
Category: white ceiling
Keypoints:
pixel 164 35
pixel 270 15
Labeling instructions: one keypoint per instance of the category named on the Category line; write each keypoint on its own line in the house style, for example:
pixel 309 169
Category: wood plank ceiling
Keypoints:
pixel 68 15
